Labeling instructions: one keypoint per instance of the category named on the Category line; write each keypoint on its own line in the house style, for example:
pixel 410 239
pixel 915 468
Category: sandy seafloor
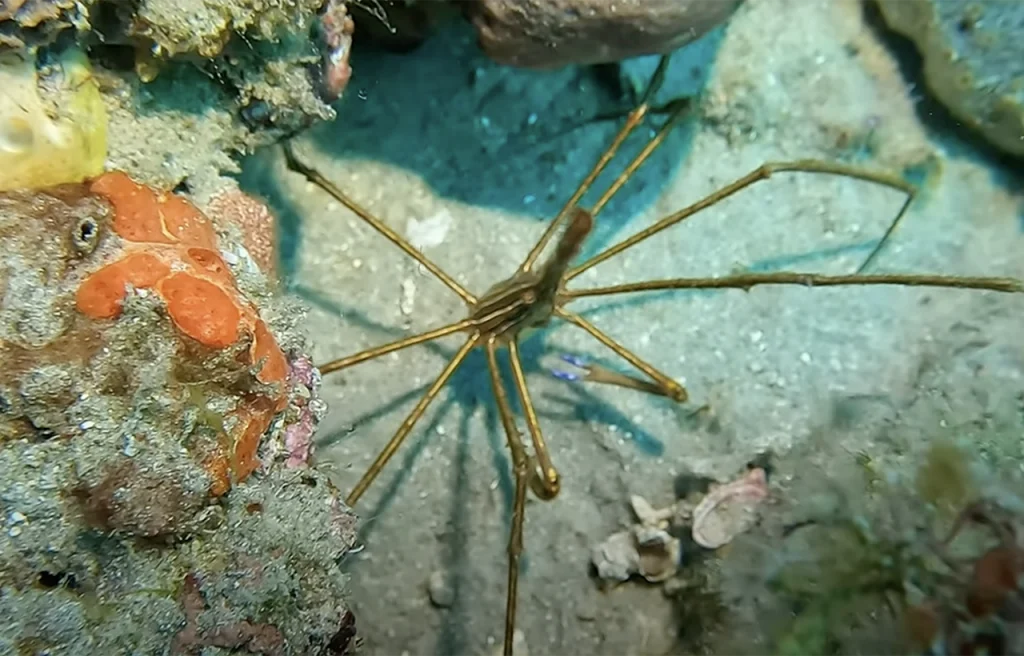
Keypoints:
pixel 470 158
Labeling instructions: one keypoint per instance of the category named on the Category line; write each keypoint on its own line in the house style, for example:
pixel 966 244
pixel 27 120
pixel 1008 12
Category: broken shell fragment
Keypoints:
pixel 647 514
pixel 659 554
pixel 648 552
pixel 616 559
pixel 729 509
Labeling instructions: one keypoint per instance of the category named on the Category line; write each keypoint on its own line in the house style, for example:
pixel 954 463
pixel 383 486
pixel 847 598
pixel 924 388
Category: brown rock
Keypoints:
pixel 553 33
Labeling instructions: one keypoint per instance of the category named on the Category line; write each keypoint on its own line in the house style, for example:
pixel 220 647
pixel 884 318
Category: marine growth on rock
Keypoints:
pixel 156 422
pixel 100 273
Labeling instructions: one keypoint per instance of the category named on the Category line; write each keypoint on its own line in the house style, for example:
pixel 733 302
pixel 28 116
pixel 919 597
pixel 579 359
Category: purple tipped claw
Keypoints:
pixel 574 360
pixel 565 375
pixel 571 376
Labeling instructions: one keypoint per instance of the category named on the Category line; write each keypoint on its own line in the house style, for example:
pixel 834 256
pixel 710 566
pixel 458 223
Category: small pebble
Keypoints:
pixel 131 446
pixel 586 611
pixel 405 305
pixel 442 594
pixel 519 647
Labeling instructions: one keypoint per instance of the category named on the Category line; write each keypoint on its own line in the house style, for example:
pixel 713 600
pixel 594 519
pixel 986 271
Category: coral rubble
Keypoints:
pixel 651 548
pixel 156 414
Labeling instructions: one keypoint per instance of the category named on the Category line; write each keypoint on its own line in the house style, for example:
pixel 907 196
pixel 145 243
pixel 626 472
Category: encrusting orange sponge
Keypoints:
pixel 170 247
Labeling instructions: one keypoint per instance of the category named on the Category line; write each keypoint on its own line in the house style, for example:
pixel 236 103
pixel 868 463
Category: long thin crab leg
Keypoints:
pixel 763 172
pixel 410 421
pixel 406 342
pixel 673 390
pixel 889 230
pixel 316 178
pixel 397 345
pixel 747 280
pixel 677 114
pixel 544 481
pixel 520 468
pixel 633 120
pixel 595 373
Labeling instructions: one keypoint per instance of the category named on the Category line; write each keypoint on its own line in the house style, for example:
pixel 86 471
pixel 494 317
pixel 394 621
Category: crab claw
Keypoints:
pixel 571 376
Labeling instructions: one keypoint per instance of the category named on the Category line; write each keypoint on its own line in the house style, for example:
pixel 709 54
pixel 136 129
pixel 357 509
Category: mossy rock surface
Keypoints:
pixel 973 61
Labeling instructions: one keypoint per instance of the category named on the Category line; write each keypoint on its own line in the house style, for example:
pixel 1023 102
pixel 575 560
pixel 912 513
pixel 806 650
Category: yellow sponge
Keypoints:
pixel 50 133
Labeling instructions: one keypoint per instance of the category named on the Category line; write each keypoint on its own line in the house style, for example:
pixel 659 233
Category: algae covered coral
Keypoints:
pixel 156 404
pixel 185 86
pixel 155 411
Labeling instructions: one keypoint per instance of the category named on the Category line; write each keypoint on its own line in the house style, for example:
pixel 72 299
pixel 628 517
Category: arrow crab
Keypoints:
pixel 539 291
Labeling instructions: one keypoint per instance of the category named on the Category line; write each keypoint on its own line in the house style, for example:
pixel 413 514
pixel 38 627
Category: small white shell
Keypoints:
pixel 647 514
pixel 658 554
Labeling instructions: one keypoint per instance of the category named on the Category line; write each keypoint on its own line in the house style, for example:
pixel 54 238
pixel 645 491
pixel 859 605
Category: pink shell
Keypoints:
pixel 729 509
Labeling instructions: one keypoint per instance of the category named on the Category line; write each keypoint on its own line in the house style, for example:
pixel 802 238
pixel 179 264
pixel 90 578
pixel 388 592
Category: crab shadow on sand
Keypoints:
pixel 469 391
pixel 492 136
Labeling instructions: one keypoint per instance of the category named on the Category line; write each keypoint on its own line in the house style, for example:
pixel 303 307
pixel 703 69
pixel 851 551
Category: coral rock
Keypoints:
pixel 41 19
pixel 147 506
pixel 188 85
pixel 298 437
pixel 141 241
pixel 553 33
pixel 973 61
